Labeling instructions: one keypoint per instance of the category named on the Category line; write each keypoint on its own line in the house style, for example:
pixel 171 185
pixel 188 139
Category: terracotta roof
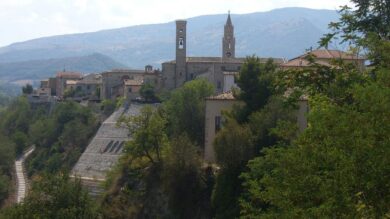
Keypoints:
pixel 302 62
pixel 133 82
pixel 333 54
pixel 69 74
pixel 224 96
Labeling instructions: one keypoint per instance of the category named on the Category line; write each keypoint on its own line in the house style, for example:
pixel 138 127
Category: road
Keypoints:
pixel 21 177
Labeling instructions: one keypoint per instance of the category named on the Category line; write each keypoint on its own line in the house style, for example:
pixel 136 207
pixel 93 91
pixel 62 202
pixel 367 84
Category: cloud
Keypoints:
pixel 26 19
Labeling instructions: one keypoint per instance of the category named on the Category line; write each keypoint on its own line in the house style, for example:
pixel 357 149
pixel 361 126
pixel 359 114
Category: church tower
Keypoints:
pixel 228 40
pixel 181 49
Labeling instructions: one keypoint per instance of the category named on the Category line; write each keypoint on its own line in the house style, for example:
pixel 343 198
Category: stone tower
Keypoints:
pixel 181 48
pixel 228 40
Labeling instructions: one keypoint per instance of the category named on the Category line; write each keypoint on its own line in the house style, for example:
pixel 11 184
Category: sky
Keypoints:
pixel 21 20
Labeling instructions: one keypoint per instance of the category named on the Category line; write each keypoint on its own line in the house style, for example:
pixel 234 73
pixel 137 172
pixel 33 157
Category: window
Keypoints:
pixel 217 123
pixel 88 87
pixel 191 76
pixel 239 68
pixel 181 43
pixel 223 68
pixel 219 85
pixel 130 90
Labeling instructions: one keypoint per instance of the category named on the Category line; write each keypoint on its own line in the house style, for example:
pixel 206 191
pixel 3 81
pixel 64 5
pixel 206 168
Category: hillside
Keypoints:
pixel 37 69
pixel 279 33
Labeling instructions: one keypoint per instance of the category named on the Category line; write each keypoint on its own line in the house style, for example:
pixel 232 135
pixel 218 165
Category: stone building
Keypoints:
pixel 62 78
pixel 132 89
pixel 113 81
pixel 215 105
pixel 177 72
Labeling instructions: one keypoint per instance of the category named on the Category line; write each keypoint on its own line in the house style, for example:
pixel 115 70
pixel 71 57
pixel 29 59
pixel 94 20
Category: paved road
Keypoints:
pixel 21 178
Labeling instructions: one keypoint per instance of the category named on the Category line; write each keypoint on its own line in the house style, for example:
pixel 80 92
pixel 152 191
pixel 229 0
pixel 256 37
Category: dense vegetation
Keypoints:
pixel 337 168
pixel 7 93
pixel 60 135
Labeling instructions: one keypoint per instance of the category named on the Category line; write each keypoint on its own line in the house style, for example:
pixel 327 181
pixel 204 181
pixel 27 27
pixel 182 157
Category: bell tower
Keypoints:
pixel 181 53
pixel 228 40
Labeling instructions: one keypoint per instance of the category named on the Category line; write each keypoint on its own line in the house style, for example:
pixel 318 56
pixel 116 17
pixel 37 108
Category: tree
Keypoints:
pixel 27 89
pixel 366 26
pixel 148 131
pixel 335 81
pixel 186 110
pixel 338 167
pixel 182 179
pixel 21 141
pixel 255 83
pixel 233 148
pixel 147 92
pixel 54 197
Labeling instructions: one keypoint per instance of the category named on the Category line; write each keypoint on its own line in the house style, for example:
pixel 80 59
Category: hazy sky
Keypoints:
pixel 21 20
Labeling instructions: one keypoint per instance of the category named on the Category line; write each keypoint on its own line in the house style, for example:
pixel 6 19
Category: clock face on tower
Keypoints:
pixel 228 54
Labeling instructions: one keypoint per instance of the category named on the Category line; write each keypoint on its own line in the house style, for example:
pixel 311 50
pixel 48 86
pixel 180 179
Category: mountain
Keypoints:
pixel 281 33
pixel 38 69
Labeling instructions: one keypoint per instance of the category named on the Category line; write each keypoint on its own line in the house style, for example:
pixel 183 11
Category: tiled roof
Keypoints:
pixel 224 96
pixel 302 62
pixel 333 54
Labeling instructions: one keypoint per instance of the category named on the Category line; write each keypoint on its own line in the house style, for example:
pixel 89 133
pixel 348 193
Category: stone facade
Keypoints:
pixel 113 81
pixel 62 78
pixel 213 120
pixel 176 72
pixel 132 89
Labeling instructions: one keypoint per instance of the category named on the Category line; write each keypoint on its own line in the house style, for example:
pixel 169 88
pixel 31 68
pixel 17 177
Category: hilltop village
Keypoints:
pixel 220 71
pixel 209 137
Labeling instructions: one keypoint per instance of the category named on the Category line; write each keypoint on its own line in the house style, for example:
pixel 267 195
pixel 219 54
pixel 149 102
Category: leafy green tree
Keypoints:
pixel 337 168
pixel 233 148
pixel 17 117
pixel 182 179
pixel 7 158
pixel 147 92
pixel 333 81
pixel 108 106
pixel 21 141
pixel 27 89
pixel 54 197
pixel 255 83
pixel 148 131
pixel 186 110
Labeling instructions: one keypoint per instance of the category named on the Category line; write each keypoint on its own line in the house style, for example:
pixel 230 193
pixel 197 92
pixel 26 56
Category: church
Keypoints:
pixel 218 70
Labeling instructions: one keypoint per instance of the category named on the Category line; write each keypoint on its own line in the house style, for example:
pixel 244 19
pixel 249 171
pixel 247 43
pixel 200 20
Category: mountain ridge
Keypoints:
pixel 281 33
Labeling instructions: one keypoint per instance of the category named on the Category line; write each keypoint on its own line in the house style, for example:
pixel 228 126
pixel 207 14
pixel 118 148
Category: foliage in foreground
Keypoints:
pixel 338 167
pixel 54 196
